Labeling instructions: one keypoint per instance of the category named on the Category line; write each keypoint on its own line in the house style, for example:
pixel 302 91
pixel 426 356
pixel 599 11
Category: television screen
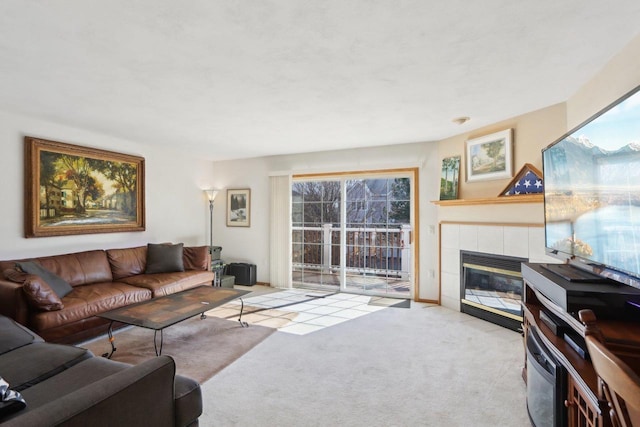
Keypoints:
pixel 592 190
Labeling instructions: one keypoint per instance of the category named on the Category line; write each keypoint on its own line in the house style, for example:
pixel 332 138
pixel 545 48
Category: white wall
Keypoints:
pixel 619 76
pixel 176 208
pixel 252 244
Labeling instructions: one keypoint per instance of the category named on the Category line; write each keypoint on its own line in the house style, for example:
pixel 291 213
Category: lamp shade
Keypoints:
pixel 211 194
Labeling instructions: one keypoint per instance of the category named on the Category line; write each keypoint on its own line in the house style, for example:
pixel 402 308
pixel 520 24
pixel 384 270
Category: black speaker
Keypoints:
pixel 245 273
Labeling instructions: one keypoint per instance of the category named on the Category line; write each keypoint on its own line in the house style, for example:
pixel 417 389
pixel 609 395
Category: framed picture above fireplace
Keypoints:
pixel 490 157
pixel 71 189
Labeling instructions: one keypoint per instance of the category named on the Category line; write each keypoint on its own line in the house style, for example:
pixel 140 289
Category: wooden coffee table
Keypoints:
pixel 162 312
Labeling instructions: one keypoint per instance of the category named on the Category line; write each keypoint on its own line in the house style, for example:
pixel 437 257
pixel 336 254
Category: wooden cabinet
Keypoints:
pixel 584 408
pixel 581 401
pixel 581 410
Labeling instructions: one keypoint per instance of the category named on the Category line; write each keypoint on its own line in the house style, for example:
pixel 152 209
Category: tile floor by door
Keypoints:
pixel 300 311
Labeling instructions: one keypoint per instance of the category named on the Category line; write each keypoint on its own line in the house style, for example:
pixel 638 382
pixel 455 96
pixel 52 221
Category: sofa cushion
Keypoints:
pixel 13 335
pixel 127 262
pixel 58 284
pixel 102 392
pixel 87 301
pixel 79 268
pixel 164 258
pixel 196 258
pixel 81 374
pixel 36 362
pixel 170 283
pixel 40 295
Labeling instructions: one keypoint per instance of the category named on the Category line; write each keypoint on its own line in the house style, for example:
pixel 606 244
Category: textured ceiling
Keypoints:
pixel 236 79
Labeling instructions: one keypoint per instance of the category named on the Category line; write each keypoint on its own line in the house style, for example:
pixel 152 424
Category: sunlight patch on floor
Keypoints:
pixel 298 311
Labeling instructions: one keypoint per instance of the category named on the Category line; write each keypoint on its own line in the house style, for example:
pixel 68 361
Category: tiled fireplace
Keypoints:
pixel 524 241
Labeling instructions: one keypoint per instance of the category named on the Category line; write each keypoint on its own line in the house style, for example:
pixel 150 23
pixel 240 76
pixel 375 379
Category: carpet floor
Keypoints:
pixel 201 348
pixel 418 366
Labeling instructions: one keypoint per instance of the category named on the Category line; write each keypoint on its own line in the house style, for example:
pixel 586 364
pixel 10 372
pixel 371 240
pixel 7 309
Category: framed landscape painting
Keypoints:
pixel 450 178
pixel 70 189
pixel 238 208
pixel 490 157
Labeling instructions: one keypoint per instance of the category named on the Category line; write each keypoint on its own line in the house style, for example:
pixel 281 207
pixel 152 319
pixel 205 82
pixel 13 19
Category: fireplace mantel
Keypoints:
pixel 523 198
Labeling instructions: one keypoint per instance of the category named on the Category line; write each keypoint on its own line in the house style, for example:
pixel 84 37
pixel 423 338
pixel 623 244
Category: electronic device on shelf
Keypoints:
pixel 591 197
pixel 557 325
pixel 575 274
pixel 633 307
pixel 577 343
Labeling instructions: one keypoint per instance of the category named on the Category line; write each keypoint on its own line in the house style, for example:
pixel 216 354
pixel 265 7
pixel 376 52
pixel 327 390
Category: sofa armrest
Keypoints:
pixel 140 395
pixel 188 397
pixel 13 302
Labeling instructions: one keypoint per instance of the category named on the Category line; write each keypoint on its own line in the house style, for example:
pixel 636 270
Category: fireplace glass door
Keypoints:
pixel 492 289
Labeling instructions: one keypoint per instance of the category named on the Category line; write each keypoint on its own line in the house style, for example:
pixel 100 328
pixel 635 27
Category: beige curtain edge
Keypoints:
pixel 280 232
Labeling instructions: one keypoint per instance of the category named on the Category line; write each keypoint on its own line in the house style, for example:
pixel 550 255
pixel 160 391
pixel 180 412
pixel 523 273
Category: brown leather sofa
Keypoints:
pixel 63 385
pixel 100 280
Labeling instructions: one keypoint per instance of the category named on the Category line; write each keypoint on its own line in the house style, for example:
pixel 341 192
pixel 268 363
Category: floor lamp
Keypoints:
pixel 211 195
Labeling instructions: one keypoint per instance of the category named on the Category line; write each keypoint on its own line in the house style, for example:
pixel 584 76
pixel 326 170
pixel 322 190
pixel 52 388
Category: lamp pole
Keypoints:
pixel 211 225
pixel 211 195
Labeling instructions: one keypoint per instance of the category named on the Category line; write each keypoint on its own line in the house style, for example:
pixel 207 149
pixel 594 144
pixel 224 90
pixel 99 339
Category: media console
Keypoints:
pixel 550 307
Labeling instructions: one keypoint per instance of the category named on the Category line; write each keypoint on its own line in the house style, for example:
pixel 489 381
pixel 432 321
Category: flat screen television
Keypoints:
pixel 592 193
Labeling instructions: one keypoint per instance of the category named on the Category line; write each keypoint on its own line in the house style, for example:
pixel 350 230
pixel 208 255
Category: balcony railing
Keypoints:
pixel 376 251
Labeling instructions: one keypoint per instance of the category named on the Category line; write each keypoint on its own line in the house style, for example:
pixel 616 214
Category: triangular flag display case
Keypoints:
pixel 527 181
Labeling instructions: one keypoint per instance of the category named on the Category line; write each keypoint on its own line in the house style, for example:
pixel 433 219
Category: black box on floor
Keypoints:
pixel 245 273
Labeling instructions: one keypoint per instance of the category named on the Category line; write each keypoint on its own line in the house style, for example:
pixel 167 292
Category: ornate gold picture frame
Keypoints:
pixel 70 189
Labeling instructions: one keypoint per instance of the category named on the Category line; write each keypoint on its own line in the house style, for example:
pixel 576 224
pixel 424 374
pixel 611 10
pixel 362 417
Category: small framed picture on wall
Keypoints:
pixel 450 178
pixel 239 208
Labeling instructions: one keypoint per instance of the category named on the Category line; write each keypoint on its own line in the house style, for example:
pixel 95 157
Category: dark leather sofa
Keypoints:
pixel 64 385
pixel 100 280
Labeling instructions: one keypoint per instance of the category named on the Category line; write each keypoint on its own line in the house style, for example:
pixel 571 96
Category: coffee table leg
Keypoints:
pixel 111 341
pixel 155 341
pixel 243 324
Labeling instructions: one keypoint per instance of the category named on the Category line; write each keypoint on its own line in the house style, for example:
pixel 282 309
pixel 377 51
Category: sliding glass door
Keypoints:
pixel 353 233
pixel 316 207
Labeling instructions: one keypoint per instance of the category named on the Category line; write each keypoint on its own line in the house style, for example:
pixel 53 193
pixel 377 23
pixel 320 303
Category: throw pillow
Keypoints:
pixel 127 262
pixel 10 401
pixel 40 295
pixel 58 284
pixel 196 258
pixel 164 258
